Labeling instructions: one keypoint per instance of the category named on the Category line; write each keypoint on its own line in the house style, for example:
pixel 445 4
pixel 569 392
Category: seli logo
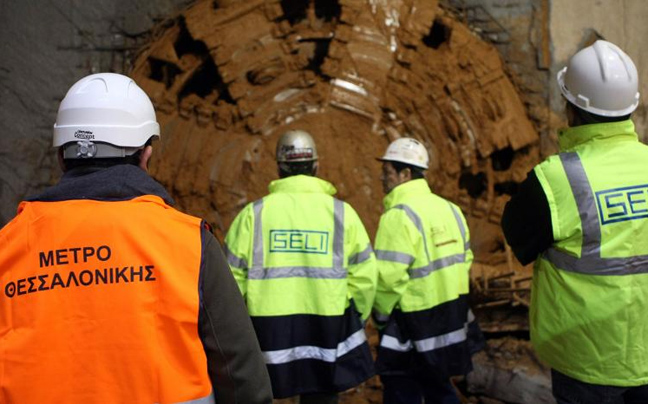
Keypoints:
pixel 299 241
pixel 84 134
pixel 621 204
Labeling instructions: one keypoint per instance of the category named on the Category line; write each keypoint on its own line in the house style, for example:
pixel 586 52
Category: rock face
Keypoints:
pixel 227 78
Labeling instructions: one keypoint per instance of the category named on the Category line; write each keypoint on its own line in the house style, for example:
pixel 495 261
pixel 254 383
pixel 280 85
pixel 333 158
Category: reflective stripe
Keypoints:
pixel 298 272
pixel 442 341
pixel 418 223
pixel 590 262
pixel 394 344
pixel 460 223
pixel 428 344
pixel 361 257
pixel 234 260
pixel 394 256
pixel 313 352
pixel 383 318
pixel 257 249
pixel 338 234
pixel 337 271
pixel 436 265
pixel 210 399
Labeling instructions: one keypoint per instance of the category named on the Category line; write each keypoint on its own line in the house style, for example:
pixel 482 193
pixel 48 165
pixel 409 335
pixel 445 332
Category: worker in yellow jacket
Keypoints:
pixel 424 257
pixel 582 215
pixel 304 264
pixel 108 293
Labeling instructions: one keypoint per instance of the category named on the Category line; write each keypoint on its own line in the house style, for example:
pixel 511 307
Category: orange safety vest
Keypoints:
pixel 99 304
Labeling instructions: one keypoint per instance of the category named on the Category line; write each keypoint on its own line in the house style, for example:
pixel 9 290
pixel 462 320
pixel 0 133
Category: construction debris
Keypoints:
pixel 509 370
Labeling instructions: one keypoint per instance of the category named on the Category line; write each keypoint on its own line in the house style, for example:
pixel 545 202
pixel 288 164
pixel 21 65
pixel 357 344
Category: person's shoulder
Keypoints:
pixel 549 162
pixel 549 169
pixel 185 217
pixel 348 209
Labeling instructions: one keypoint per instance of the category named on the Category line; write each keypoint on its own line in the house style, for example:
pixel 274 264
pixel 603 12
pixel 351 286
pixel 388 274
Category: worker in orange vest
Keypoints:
pixel 107 293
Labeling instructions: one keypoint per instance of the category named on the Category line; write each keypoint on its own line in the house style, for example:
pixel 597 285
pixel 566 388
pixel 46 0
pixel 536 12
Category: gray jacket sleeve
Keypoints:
pixel 236 367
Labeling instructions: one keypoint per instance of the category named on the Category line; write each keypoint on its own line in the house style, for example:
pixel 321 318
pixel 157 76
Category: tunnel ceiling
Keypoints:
pixel 228 77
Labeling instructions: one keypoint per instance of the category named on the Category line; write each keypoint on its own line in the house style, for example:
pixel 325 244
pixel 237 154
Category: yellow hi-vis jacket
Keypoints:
pixel 304 264
pixel 424 257
pixel 590 289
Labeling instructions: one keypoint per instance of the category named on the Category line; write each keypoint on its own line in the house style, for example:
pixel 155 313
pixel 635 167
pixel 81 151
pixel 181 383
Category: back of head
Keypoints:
pixel 296 154
pixel 105 118
pixel 601 80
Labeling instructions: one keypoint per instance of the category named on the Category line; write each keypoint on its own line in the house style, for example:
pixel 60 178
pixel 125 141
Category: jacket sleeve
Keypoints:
pixel 469 253
pixel 395 253
pixel 361 264
pixel 236 366
pixel 238 246
pixel 526 221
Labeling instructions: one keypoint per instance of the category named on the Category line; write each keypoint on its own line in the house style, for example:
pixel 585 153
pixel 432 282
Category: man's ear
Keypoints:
pixel 405 175
pixel 145 156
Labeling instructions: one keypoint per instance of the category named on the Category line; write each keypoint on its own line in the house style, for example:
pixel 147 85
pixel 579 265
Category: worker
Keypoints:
pixel 424 258
pixel 304 264
pixel 108 294
pixel 581 215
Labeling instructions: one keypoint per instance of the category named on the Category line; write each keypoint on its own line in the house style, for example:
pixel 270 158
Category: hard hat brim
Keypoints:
pixel 409 163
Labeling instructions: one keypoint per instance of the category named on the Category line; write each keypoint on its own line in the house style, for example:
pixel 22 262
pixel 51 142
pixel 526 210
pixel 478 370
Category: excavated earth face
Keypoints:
pixel 229 77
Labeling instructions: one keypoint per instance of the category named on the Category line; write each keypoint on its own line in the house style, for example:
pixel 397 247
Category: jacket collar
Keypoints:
pixel 404 191
pixel 569 138
pixel 117 183
pixel 302 184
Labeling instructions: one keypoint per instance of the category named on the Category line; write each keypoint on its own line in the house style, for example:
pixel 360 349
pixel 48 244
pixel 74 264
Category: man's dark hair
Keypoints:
pixel 586 118
pixel 417 172
pixel 297 168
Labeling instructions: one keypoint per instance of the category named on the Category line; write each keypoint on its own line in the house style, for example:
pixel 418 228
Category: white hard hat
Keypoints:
pixel 296 145
pixel 407 150
pixel 106 108
pixel 601 79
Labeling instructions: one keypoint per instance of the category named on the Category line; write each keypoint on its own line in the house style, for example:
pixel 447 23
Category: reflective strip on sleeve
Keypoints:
pixel 460 224
pixel 361 256
pixel 418 223
pixel 210 399
pixel 427 344
pixel 313 352
pixel 590 262
pixel 338 234
pixel 297 272
pixel 394 256
pixel 436 265
pixel 257 249
pixel 442 341
pixel 234 260
pixel 394 344
pixel 382 318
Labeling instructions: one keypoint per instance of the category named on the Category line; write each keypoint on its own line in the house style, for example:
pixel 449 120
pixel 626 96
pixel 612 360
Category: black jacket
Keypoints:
pixel 527 221
pixel 235 362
